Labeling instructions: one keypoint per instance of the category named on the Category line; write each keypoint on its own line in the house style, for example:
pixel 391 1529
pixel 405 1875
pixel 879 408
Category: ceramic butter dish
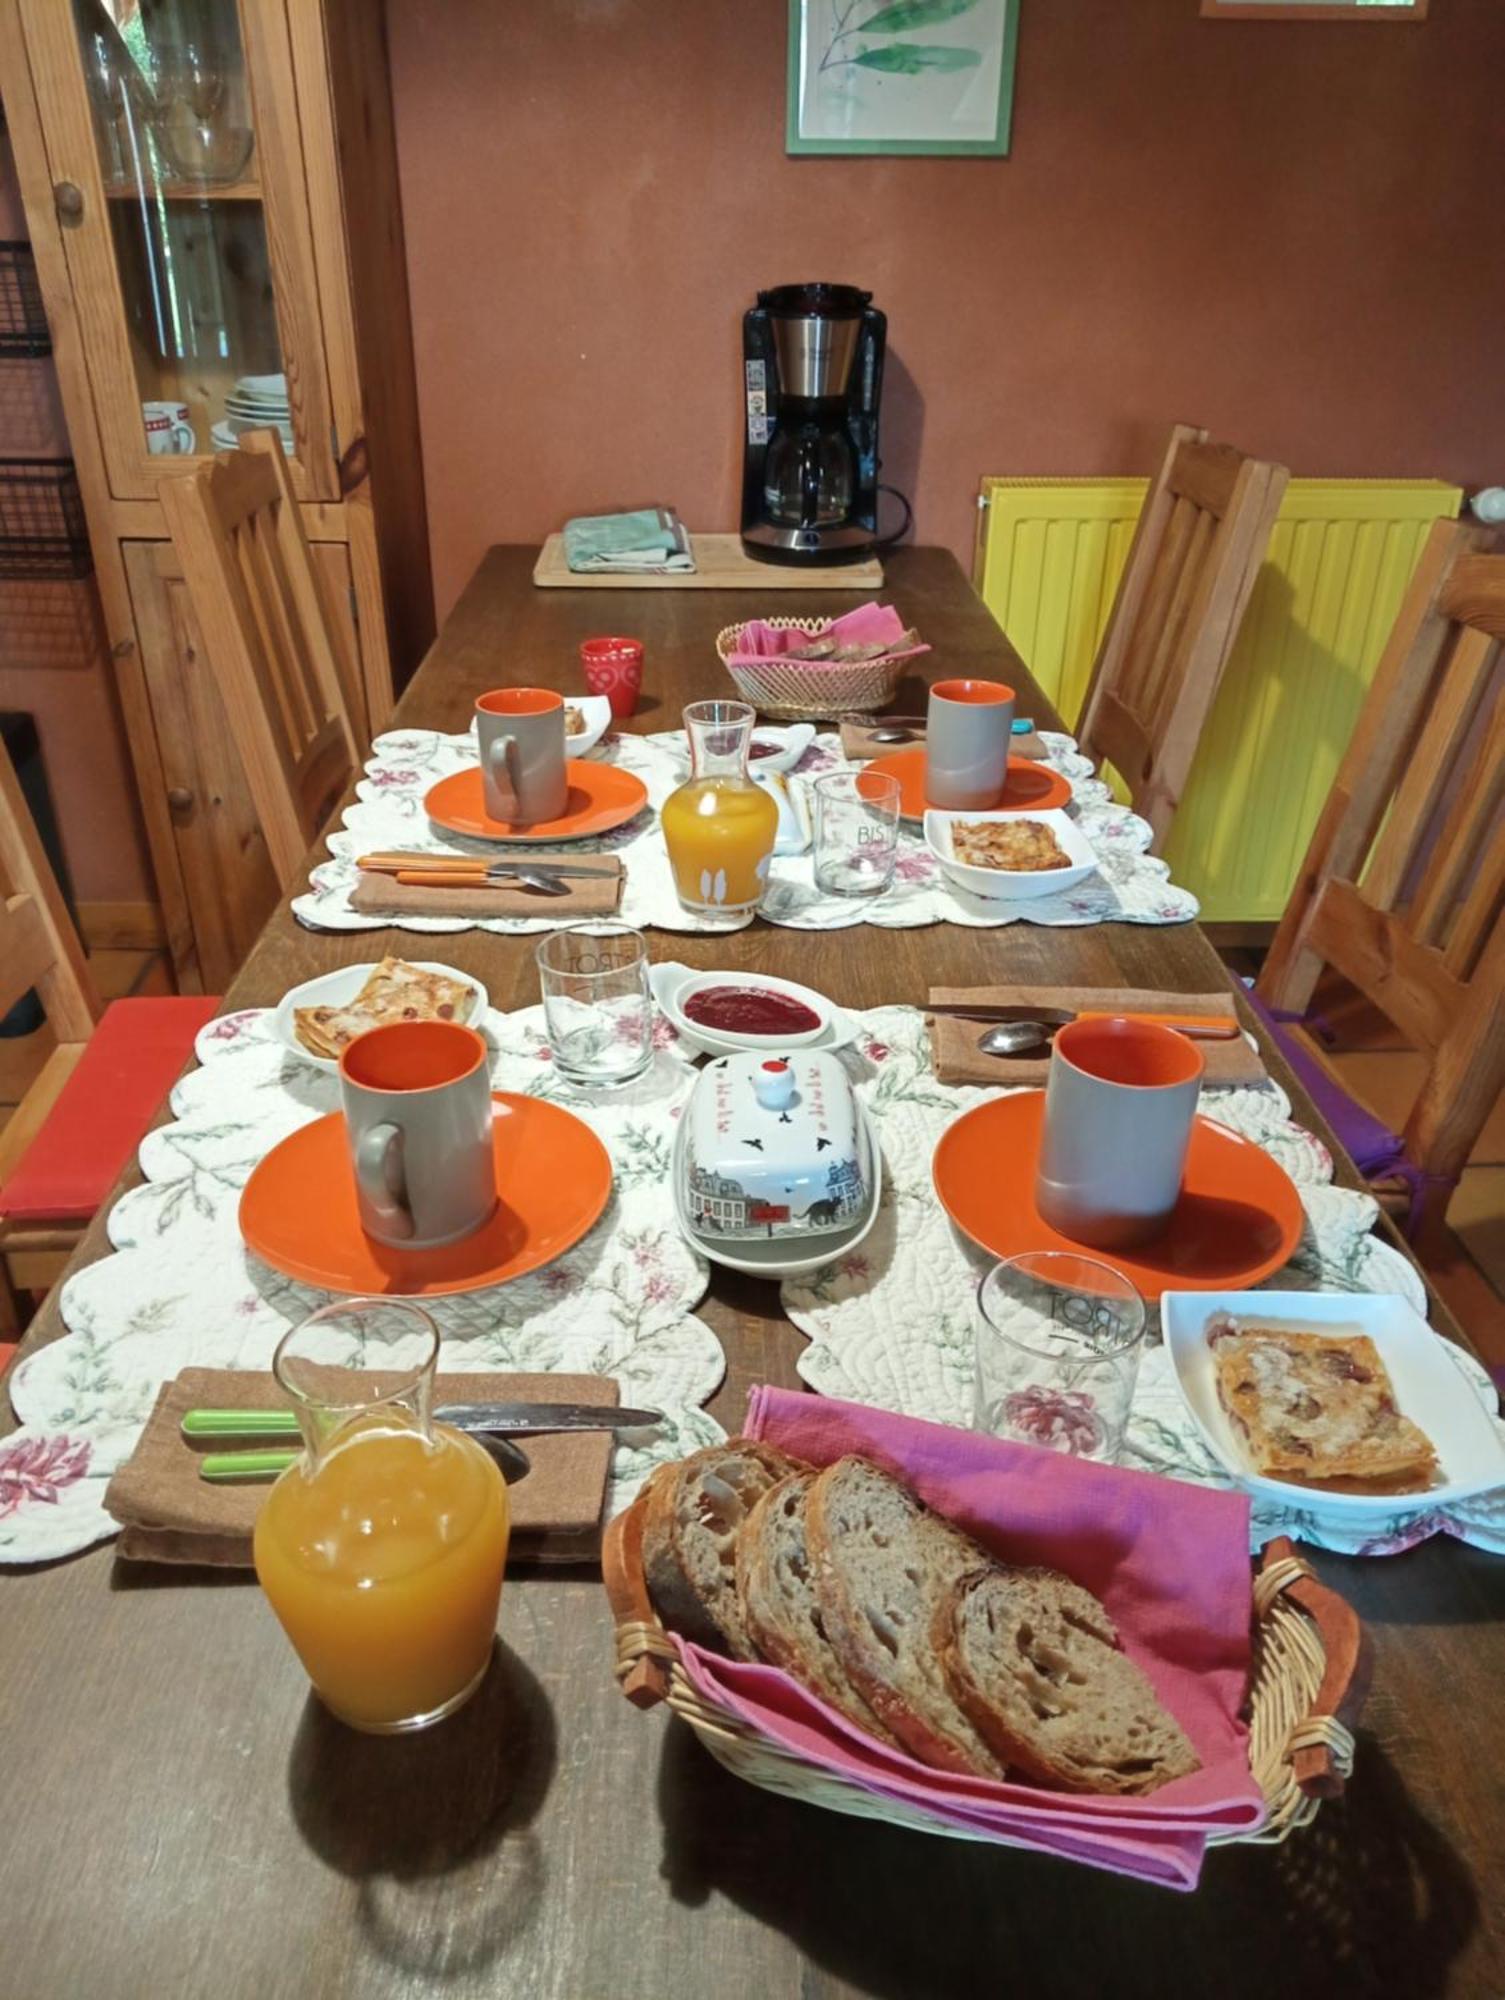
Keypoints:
pixel 775 1148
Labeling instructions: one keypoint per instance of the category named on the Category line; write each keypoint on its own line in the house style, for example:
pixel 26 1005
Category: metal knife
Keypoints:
pixel 435 864
pixel 538 1419
pixel 499 1419
pixel 1199 1027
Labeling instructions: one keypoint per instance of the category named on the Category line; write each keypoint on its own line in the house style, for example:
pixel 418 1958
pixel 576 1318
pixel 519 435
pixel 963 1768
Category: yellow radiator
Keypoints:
pixel 1049 555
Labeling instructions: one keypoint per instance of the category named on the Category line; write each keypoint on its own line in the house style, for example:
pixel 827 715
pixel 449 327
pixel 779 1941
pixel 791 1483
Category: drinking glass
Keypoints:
pixel 596 1002
pixel 381 1549
pixel 1058 1343
pixel 856 832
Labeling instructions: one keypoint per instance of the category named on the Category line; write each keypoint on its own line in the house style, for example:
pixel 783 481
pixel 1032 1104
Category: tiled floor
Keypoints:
pixel 1468 1265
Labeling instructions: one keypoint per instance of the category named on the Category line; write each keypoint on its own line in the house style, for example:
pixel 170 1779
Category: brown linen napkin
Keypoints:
pixel 857 744
pixel 169 1515
pixel 597 896
pixel 953 1043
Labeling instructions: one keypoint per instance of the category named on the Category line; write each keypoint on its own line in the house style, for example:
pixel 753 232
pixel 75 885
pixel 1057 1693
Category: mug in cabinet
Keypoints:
pixel 168 431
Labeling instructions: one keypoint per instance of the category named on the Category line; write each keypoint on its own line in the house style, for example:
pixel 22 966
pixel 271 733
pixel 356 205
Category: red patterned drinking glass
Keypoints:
pixel 614 667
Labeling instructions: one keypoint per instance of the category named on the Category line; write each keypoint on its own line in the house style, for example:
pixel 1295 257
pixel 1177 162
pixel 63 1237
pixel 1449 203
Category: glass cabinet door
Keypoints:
pixel 187 226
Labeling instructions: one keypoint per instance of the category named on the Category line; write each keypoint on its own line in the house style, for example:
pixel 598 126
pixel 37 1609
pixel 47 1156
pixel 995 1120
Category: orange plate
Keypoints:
pixel 553 1175
pixel 601 797
pixel 1028 787
pixel 1238 1219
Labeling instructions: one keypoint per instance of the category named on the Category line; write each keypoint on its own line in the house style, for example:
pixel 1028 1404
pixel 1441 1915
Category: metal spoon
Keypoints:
pixel 1014 1038
pixel 513 1460
pixel 885 728
pixel 540 885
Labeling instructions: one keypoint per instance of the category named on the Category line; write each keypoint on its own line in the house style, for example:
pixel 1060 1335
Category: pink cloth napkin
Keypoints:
pixel 869 624
pixel 1170 1561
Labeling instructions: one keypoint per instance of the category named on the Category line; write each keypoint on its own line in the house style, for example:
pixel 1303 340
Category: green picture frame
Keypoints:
pixel 922 80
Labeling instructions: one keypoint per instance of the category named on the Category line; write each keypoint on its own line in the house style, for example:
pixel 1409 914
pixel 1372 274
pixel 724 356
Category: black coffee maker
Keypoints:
pixel 813 367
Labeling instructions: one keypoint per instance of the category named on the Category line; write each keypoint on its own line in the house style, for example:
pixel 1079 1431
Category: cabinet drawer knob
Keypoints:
pixel 68 200
pixel 180 798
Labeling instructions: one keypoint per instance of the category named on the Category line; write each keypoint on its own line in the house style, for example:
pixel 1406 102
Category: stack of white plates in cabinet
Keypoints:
pixel 257 402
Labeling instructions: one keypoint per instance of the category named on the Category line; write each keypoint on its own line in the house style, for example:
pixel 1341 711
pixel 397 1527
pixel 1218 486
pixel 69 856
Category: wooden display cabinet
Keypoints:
pixel 211 192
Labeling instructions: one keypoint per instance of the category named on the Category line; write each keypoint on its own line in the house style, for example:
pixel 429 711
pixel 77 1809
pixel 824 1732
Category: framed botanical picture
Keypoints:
pixel 901 76
pixel 1316 10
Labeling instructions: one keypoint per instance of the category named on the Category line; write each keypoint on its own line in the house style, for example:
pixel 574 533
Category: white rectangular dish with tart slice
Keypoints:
pixel 1010 856
pixel 1380 1413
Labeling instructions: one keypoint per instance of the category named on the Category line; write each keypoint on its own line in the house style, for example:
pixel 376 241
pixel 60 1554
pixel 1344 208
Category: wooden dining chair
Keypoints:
pixel 281 663
pixel 1402 890
pixel 86 1111
pixel 1201 537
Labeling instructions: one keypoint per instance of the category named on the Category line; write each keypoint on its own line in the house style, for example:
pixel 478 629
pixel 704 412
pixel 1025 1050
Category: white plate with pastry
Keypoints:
pixel 1346 1403
pixel 1010 856
pixel 587 717
pixel 322 1016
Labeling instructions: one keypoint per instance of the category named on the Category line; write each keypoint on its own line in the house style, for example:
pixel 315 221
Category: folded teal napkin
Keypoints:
pixel 650 540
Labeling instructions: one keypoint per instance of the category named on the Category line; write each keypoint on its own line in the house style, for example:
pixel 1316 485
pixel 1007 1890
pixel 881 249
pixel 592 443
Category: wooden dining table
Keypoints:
pixel 182 1817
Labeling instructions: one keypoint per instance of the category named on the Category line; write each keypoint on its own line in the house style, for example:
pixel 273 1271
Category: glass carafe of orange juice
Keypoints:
pixel 720 827
pixel 381 1549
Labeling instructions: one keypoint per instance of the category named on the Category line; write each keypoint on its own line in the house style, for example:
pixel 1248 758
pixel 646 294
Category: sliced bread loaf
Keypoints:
pixel 780 1609
pixel 694 1512
pixel 1035 1661
pixel 883 1566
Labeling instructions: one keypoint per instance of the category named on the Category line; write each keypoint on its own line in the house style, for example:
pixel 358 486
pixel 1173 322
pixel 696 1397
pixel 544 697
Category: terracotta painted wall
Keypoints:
pixel 1291 233
pixel 54 661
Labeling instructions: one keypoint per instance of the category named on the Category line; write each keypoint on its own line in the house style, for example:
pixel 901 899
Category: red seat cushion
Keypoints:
pixel 131 1062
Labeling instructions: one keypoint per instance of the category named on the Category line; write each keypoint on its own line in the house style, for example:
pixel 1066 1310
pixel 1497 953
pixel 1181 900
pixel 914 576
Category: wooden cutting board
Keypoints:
pixel 721 563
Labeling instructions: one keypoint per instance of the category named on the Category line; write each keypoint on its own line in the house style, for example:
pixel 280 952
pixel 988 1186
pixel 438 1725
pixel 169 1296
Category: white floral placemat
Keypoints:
pixel 1132 886
pixel 182 1291
pixel 892 1324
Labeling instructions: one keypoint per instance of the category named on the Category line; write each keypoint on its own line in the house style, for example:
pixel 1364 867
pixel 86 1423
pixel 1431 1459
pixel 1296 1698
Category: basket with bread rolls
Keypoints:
pixel 991 1641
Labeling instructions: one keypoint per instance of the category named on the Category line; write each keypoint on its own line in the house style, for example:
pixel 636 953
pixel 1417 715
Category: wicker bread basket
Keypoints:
pixel 811 690
pixel 1310 1664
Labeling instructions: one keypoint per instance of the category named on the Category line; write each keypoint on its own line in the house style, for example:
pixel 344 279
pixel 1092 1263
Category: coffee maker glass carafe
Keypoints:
pixel 807 477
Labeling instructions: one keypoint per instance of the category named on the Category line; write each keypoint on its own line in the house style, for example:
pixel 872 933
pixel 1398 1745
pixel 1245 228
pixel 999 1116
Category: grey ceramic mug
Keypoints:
pixel 1120 1098
pixel 969 726
pixel 417 1100
pixel 520 739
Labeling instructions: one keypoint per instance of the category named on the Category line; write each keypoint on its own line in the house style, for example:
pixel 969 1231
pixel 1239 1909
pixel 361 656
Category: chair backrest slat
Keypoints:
pixel 1201 537
pixel 1207 475
pixel 39 947
pixel 25 949
pixel 1429 763
pixel 280 661
pixel 1403 886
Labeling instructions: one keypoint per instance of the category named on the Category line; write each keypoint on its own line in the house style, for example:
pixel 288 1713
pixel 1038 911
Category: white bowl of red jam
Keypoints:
pixel 726 1011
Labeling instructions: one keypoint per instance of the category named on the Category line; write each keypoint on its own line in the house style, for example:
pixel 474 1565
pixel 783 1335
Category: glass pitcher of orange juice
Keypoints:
pixel 381 1549
pixel 721 826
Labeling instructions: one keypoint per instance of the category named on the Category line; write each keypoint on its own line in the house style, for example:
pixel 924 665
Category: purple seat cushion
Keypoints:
pixel 1377 1152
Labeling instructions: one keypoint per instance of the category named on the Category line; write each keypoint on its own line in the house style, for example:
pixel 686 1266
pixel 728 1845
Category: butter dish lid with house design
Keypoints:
pixel 774 1148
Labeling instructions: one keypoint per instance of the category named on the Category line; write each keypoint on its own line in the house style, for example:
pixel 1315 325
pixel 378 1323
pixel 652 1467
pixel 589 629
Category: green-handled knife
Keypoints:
pixel 500 1419
pixel 225 1467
